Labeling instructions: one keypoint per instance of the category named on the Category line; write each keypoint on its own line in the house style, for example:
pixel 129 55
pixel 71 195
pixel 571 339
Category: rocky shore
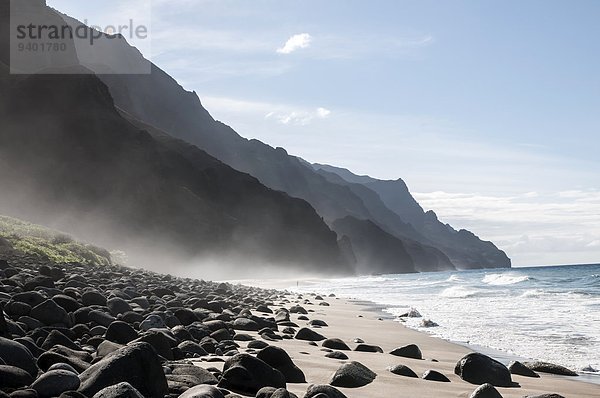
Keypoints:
pixel 76 330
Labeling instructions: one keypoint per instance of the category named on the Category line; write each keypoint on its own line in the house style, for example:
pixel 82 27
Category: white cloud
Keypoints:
pixel 295 42
pixel 322 113
pixel 556 228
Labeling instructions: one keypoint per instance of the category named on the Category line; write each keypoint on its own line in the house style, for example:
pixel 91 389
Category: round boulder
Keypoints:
pixel 93 298
pixel 153 321
pixel 50 313
pixel 13 377
pixel 67 302
pixel 369 348
pixel 402 370
pixel 485 391
pixel 202 391
pixel 352 375
pixel 30 298
pixel 191 348
pixel 246 324
pixel 138 364
pixel 336 344
pixel 63 366
pixel 101 318
pixel 121 390
pixel 309 335
pixel 55 382
pixel 280 360
pixel 433 375
pixel 336 355
pixel 322 391
pixel 546 367
pixel 117 305
pixel 298 310
pixel 16 309
pixel 16 354
pixel 517 368
pixel 477 368
pixel 121 333
pixel 257 344
pixel 271 392
pixel 245 374
pixel 408 351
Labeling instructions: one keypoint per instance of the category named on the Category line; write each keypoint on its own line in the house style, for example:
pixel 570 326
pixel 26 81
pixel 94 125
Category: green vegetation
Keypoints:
pixel 52 245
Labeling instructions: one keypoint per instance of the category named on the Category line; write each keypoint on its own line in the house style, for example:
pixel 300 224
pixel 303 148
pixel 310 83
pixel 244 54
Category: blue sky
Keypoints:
pixel 488 109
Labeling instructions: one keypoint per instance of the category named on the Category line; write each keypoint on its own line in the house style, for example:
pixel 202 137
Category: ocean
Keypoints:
pixel 542 313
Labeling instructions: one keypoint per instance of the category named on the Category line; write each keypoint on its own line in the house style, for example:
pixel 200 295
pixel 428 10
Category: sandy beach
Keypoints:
pixel 349 320
pixel 135 330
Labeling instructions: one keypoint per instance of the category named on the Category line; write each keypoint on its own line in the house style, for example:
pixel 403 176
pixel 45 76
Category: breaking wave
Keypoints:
pixel 459 292
pixel 504 279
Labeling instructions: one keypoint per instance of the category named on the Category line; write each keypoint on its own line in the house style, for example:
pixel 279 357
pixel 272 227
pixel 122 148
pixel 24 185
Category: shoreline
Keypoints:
pixel 347 320
pixel 499 355
pixel 379 310
pixel 163 325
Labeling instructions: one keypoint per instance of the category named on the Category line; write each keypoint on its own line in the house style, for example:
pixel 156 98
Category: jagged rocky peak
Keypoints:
pixel 431 216
pixel 464 249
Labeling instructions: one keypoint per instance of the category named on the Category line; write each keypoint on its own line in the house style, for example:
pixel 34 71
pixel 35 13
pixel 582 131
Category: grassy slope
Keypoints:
pixel 52 245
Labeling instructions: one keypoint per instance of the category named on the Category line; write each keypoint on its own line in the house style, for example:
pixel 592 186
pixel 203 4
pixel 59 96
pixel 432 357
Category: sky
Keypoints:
pixel 489 110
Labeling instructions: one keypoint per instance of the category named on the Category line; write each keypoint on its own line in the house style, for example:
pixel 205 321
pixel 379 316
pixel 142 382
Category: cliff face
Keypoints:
pixel 70 160
pixel 157 99
pixel 464 249
pixel 376 251
pixel 421 250
pixel 169 175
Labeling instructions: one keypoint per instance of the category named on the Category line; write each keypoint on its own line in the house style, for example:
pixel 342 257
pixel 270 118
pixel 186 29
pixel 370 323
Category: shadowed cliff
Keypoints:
pixel 228 208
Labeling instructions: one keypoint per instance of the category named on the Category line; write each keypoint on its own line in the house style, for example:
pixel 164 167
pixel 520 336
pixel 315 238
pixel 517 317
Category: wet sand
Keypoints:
pixel 349 320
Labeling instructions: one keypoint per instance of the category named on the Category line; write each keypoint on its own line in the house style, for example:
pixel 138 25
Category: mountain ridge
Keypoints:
pixel 175 121
pixel 274 167
pixel 70 160
pixel 395 194
pixel 228 206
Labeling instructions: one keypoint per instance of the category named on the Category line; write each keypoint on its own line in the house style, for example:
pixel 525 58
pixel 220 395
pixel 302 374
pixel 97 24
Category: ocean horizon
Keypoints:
pixel 546 313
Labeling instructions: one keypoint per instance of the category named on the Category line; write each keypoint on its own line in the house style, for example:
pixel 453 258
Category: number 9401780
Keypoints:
pixel 42 47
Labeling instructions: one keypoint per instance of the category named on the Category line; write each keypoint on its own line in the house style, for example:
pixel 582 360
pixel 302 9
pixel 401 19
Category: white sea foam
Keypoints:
pixel 504 279
pixel 533 293
pixel 555 319
pixel 458 292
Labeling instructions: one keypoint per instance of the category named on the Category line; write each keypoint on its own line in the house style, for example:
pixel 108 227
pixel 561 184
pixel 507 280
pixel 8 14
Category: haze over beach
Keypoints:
pixel 392 196
pixel 402 89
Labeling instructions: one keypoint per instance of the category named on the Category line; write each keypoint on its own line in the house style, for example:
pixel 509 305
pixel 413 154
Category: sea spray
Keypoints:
pixel 545 313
